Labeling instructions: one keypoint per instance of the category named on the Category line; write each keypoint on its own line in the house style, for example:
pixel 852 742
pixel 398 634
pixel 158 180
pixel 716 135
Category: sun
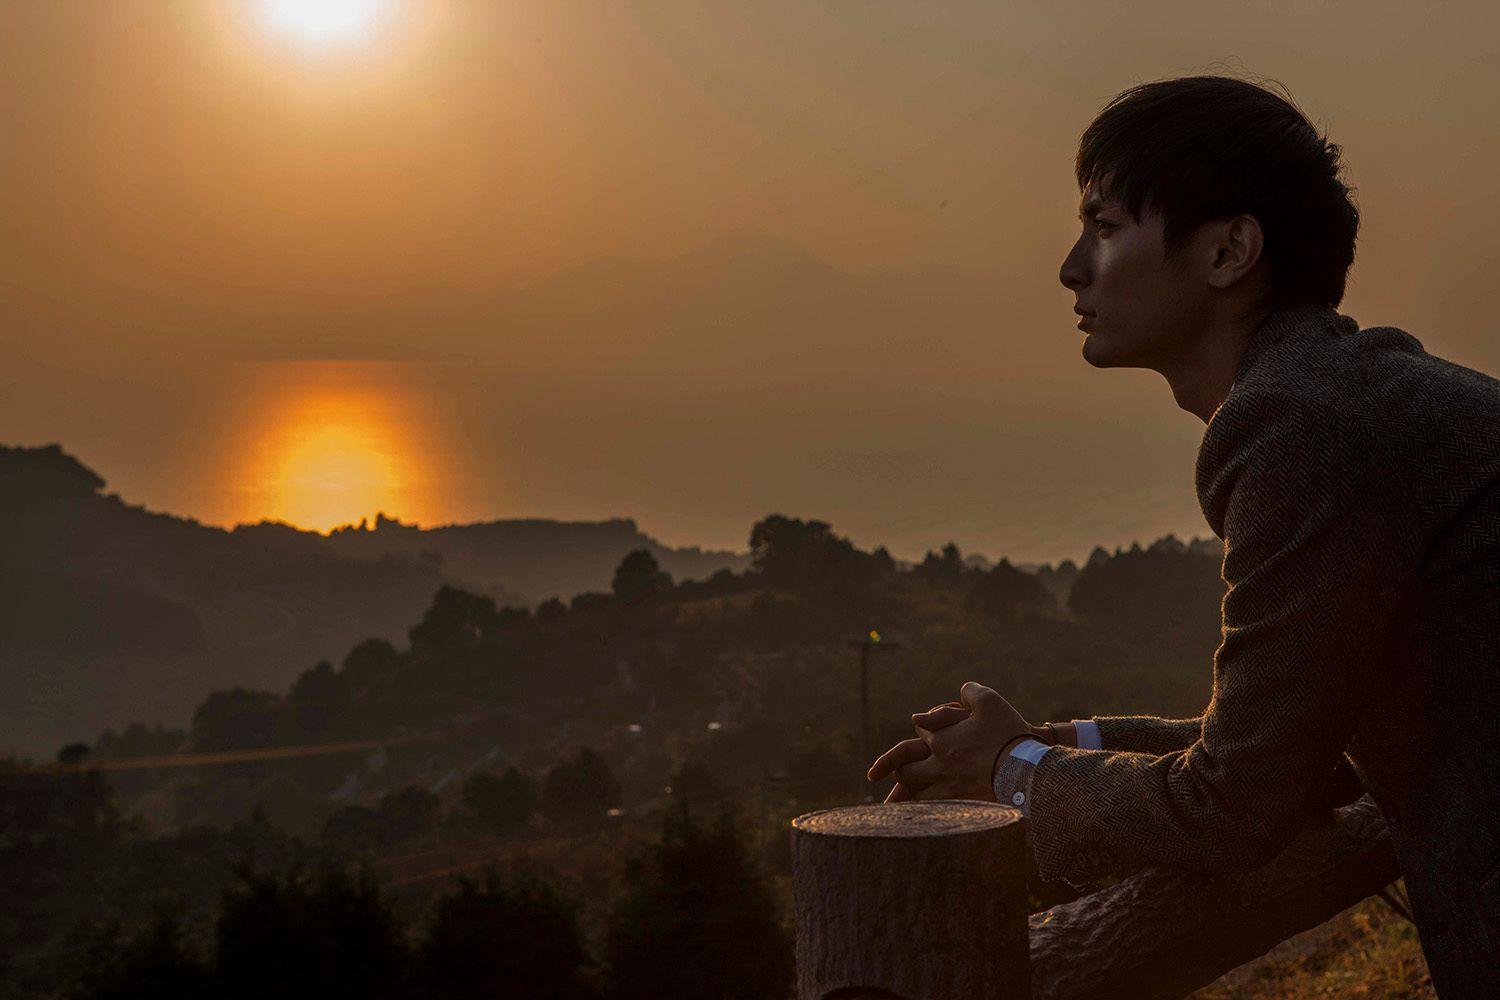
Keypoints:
pixel 318 444
pixel 322 21
pixel 333 469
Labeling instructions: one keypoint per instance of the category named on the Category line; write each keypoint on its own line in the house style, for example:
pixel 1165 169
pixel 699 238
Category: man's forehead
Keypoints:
pixel 1095 198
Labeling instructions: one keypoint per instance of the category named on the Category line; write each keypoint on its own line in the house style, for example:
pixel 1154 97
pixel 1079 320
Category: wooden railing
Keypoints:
pixel 927 901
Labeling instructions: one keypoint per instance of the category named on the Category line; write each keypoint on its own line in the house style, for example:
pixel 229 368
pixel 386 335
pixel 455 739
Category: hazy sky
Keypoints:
pixel 687 262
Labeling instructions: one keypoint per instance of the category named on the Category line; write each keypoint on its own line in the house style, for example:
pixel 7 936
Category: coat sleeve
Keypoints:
pixel 1147 733
pixel 1318 558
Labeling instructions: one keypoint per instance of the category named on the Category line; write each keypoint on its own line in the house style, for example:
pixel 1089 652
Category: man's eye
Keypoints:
pixel 1105 225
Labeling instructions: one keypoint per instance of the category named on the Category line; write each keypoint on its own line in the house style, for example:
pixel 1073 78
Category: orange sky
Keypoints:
pixel 690 263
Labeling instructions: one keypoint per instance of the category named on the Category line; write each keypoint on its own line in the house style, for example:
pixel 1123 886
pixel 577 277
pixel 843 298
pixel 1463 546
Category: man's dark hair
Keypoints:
pixel 1202 148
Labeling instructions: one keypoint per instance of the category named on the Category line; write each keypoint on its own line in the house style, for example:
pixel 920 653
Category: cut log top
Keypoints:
pixel 927 901
pixel 912 900
pixel 908 820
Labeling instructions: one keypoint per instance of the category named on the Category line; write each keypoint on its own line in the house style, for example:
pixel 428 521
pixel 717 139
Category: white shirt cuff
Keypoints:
pixel 1030 751
pixel 1088 734
pixel 1013 776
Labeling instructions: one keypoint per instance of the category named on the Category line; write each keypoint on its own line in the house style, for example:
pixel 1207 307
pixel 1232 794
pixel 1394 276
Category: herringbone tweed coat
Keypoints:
pixel 1355 481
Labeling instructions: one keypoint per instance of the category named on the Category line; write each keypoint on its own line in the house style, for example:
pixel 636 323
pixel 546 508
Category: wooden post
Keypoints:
pixel 913 901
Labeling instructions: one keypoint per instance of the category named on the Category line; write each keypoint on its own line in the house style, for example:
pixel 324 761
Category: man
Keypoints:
pixel 1355 482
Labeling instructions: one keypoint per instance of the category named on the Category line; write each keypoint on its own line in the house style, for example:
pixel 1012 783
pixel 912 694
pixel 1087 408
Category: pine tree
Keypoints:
pixel 503 938
pixel 697 921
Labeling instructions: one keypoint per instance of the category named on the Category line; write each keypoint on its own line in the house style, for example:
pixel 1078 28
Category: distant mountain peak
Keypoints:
pixel 46 469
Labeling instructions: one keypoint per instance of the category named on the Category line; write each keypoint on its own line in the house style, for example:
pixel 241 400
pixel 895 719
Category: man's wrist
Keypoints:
pixel 1057 734
pixel 1010 743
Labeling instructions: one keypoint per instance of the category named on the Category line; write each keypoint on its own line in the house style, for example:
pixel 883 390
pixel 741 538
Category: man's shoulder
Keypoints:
pixel 1368 411
pixel 1380 375
pixel 1319 371
pixel 1268 444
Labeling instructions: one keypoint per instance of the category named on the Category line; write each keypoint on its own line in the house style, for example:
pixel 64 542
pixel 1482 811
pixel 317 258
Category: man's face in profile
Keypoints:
pixel 1136 307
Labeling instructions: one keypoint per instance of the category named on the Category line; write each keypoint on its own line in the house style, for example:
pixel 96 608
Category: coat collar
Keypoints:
pixel 1297 322
pixel 1301 323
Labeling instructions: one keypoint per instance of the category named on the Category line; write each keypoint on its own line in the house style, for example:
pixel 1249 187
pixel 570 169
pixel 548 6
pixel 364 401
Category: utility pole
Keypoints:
pixel 869 642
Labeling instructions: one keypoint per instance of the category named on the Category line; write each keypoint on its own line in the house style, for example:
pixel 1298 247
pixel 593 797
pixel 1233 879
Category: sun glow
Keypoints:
pixel 322 21
pixel 329 443
pixel 333 467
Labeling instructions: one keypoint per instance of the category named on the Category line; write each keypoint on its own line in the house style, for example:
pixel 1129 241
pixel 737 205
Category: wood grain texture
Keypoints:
pixel 920 900
pixel 1164 932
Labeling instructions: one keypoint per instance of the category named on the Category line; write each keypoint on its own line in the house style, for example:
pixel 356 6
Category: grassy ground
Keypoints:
pixel 1366 951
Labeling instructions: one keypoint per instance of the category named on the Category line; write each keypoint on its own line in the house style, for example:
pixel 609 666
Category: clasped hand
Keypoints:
pixel 957 745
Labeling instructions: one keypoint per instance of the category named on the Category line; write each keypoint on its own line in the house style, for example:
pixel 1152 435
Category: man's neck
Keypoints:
pixel 1201 376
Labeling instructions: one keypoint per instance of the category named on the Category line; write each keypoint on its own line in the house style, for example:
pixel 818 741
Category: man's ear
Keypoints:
pixel 1236 251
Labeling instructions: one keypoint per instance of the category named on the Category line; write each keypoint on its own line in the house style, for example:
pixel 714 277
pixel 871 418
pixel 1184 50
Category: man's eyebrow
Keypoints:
pixel 1092 206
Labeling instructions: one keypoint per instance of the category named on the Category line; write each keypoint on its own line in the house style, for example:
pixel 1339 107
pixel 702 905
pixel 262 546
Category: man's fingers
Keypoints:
pixel 940 717
pixel 903 753
pixel 980 700
pixel 919 774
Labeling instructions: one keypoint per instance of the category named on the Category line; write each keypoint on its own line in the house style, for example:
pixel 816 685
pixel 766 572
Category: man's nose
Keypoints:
pixel 1072 274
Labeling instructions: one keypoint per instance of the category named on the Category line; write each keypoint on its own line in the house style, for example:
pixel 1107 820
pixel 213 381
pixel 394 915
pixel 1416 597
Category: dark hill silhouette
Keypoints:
pixel 110 612
pixel 527 561
pixel 1158 590
pixel 655 666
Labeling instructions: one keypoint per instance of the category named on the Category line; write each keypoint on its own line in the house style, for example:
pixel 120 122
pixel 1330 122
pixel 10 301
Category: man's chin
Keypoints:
pixel 1097 353
pixel 1100 353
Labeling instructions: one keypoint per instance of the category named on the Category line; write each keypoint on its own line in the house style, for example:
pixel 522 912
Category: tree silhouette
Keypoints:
pixel 325 934
pixel 944 567
pixel 579 789
pixel 372 662
pixel 1008 593
pixel 638 578
pixel 515 938
pixel 236 720
pixel 788 551
pixel 696 784
pixel 696 920
pixel 314 701
pixel 401 815
pixel 408 812
pixel 503 804
pixel 73 754
pixel 56 832
pixel 807 557
pixel 157 963
pixel 1164 588
pixel 456 620
pixel 590 602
